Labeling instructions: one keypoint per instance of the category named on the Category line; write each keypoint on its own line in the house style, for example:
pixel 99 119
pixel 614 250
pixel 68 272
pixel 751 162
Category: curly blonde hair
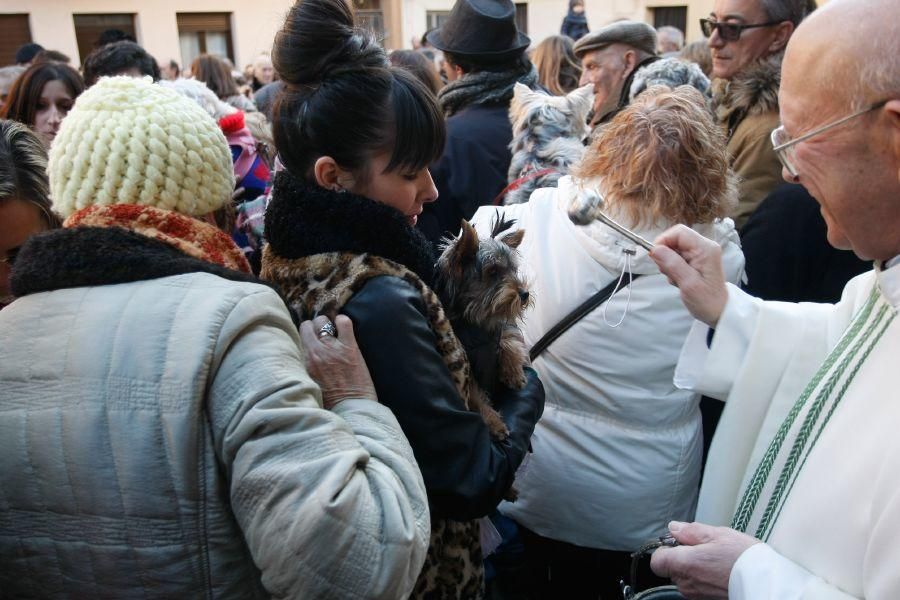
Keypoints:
pixel 663 159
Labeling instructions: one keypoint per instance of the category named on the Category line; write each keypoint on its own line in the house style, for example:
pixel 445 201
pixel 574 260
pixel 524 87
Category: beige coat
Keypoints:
pixel 747 108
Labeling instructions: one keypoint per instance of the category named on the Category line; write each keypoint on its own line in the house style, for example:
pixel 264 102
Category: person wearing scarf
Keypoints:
pixel 484 57
pixel 160 430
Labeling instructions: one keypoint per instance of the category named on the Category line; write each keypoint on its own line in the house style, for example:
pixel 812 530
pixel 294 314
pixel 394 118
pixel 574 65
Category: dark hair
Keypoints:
pixel 788 10
pixel 111 36
pixel 174 65
pixel 27 52
pixel 115 59
pixel 22 101
pixel 342 98
pixel 470 64
pixel 51 56
pixel 23 170
pixel 213 71
pixel 418 64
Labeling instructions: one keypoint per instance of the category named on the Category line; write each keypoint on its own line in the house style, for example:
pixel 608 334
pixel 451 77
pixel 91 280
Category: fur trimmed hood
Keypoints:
pixel 92 256
pixel 753 92
pixel 304 219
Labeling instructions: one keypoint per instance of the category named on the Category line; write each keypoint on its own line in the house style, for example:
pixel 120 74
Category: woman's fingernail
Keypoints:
pixel 675 526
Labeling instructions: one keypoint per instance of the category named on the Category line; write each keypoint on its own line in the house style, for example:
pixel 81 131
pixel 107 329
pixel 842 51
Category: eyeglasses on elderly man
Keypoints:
pixel 785 148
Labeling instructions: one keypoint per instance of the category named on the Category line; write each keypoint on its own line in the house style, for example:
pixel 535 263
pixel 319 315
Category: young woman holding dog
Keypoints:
pixel 617 452
pixel 356 136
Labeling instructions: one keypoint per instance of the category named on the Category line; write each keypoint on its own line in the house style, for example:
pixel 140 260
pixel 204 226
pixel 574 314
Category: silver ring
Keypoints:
pixel 327 330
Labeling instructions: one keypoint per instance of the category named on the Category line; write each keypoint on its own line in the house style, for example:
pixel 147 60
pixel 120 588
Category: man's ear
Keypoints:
pixel 782 33
pixel 630 60
pixel 892 108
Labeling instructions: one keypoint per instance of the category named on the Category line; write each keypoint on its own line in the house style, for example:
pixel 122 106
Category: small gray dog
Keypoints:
pixel 548 137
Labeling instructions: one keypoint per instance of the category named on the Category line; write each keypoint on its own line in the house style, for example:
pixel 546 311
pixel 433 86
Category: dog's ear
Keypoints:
pixel 466 246
pixel 580 100
pixel 523 98
pixel 513 239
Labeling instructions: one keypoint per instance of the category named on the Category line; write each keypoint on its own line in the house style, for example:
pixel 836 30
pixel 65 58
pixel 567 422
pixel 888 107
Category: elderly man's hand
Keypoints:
pixel 693 264
pixel 335 363
pixel 701 565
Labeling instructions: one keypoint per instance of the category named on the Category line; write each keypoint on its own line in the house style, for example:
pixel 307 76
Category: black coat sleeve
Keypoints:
pixel 787 253
pixel 466 472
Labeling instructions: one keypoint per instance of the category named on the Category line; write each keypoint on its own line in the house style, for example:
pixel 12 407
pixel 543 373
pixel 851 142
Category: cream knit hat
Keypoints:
pixel 130 141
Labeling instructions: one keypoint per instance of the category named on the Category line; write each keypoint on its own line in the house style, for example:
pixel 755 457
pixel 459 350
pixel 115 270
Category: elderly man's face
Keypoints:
pixel 730 58
pixel 852 170
pixel 607 69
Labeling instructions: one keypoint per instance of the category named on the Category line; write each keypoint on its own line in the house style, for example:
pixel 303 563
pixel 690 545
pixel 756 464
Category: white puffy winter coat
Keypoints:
pixel 617 452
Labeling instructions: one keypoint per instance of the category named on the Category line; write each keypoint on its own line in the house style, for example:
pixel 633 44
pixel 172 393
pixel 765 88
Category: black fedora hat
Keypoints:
pixel 484 29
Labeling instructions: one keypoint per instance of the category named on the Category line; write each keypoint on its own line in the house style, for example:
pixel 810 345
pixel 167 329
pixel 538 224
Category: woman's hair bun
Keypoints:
pixel 320 40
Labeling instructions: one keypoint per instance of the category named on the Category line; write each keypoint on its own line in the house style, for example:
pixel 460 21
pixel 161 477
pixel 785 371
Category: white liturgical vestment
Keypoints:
pixel 807 454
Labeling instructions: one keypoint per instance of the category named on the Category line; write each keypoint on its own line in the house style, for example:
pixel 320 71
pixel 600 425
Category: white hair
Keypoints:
pixel 198 92
pixel 670 34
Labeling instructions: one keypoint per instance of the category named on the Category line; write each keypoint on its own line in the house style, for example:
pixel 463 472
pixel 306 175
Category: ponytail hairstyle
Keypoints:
pixel 343 99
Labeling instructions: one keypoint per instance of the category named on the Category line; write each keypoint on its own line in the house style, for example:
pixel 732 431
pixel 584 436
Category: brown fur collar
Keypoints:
pixel 753 92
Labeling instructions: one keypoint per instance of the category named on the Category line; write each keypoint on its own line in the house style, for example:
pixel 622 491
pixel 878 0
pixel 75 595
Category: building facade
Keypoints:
pixel 241 29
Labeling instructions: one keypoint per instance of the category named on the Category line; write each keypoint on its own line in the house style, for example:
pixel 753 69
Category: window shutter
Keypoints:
pixel 14 31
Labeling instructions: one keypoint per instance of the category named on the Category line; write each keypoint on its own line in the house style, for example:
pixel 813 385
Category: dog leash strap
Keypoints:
pixel 581 311
pixel 520 182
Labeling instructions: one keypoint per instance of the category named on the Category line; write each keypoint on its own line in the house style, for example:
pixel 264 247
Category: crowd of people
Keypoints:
pixel 249 343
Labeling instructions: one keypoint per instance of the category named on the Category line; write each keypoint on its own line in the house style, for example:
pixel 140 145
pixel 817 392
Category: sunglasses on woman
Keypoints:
pixel 729 32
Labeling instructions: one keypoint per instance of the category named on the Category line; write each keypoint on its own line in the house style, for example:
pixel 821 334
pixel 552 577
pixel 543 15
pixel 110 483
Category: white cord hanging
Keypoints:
pixel 626 266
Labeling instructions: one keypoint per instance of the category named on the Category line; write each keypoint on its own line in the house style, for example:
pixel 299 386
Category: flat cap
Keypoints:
pixel 632 33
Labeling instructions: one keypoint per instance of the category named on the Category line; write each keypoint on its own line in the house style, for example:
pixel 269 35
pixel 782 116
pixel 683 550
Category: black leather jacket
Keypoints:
pixel 466 471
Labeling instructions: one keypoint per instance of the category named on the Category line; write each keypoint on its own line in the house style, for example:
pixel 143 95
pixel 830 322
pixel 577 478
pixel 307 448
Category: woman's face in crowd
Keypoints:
pixel 19 220
pixel 406 191
pixel 53 105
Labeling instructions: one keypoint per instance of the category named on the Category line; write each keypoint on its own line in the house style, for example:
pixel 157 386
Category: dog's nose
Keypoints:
pixel 523 296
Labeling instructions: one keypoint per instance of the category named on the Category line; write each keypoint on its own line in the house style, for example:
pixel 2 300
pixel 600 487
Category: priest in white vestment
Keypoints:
pixel 802 488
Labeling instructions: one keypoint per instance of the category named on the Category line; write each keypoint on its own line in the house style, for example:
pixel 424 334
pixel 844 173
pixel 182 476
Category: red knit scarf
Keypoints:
pixel 191 236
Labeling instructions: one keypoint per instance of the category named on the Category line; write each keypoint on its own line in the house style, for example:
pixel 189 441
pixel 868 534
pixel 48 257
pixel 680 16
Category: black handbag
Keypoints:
pixel 581 311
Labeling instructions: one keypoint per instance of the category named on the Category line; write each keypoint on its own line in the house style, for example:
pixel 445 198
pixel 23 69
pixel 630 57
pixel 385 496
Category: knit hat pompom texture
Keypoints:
pixel 130 141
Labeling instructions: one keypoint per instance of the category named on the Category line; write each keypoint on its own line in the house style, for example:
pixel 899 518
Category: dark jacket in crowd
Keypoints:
pixel 574 25
pixel 472 170
pixel 466 472
pixel 265 98
pixel 787 252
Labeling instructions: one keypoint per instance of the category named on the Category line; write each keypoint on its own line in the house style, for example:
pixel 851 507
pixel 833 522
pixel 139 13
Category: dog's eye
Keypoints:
pixel 489 272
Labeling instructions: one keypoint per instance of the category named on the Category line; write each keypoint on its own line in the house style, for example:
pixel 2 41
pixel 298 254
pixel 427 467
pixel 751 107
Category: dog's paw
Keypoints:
pixel 494 422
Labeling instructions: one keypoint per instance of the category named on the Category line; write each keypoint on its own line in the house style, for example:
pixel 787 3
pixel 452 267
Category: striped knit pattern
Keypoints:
pixel 774 477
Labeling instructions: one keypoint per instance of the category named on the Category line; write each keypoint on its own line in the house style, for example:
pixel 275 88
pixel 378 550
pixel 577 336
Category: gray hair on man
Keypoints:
pixel 788 10
pixel 670 39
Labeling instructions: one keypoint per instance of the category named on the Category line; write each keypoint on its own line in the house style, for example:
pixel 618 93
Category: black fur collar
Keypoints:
pixel 304 219
pixel 89 256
